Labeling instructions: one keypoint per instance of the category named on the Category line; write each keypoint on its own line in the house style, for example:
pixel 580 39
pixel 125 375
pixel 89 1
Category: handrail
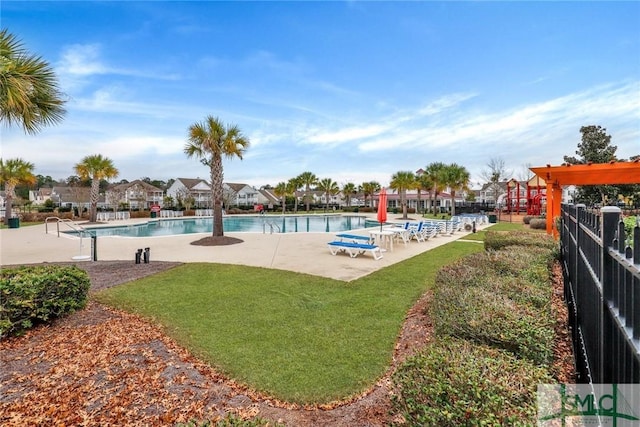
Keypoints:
pixel 271 226
pixel 66 221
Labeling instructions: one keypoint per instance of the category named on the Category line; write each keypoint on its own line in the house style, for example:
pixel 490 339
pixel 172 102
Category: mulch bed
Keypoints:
pixel 101 366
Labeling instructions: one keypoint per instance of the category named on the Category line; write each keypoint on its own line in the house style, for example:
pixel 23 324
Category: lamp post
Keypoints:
pixel 510 186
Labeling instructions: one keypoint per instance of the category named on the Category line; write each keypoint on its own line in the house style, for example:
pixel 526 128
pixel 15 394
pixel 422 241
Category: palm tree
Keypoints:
pixel 330 188
pixel 282 191
pixel 348 190
pixel 293 185
pixel 456 178
pixel 307 179
pixel 401 182
pixel 423 182
pixel 95 167
pixel 29 92
pixel 14 172
pixel 369 188
pixel 435 172
pixel 209 141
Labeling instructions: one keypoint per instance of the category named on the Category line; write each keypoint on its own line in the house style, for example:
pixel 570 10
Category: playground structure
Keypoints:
pixel 532 202
pixel 586 174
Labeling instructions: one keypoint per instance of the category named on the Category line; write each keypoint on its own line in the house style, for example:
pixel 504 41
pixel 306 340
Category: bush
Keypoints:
pixel 42 216
pixel 499 298
pixel 230 420
pixel 527 218
pixel 488 317
pixel 519 275
pixel 538 224
pixel 29 295
pixel 496 240
pixel 456 383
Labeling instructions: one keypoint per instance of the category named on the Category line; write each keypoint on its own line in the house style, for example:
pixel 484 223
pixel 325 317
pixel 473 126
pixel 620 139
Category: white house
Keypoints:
pixel 38 197
pixel 72 197
pixel 197 188
pixel 137 194
pixel 267 198
pixel 240 194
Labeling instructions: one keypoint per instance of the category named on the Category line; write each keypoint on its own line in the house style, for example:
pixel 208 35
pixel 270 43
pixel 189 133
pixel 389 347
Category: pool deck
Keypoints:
pixel 300 252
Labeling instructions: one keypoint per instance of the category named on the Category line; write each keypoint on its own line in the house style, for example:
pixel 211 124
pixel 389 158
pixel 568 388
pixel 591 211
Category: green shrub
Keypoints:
pixel 520 274
pixel 495 240
pixel 530 261
pixel 538 224
pixel 629 224
pixel 230 420
pixel 486 316
pixel 498 298
pixel 29 295
pixel 456 383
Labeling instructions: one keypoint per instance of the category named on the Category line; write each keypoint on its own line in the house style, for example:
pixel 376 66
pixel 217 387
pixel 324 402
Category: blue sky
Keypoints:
pixel 354 91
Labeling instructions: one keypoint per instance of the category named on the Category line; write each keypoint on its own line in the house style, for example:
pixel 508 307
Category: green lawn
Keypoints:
pixel 500 226
pixel 298 337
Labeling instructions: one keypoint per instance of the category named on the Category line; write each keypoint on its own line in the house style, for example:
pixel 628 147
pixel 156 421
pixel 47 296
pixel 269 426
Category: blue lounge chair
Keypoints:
pixel 355 249
pixel 354 237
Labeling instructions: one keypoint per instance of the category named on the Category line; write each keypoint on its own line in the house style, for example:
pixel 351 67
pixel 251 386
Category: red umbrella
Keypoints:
pixel 382 207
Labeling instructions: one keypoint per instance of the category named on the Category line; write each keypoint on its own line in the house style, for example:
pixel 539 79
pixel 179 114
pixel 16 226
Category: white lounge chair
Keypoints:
pixel 355 249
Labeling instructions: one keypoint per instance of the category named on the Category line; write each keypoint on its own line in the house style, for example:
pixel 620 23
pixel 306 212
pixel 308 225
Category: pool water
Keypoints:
pixel 252 224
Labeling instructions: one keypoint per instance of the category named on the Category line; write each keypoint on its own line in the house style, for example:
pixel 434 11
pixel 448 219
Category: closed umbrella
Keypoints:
pixel 382 207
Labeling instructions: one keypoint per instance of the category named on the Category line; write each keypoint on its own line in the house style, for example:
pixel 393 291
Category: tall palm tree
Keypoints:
pixel 282 191
pixel 293 185
pixel 307 179
pixel 401 182
pixel 95 167
pixel 329 187
pixel 348 190
pixel 369 188
pixel 14 172
pixel 435 172
pixel 29 92
pixel 423 183
pixel 209 140
pixel 456 178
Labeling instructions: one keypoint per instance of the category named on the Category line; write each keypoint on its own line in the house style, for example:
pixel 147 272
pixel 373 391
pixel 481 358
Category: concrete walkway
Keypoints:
pixel 301 252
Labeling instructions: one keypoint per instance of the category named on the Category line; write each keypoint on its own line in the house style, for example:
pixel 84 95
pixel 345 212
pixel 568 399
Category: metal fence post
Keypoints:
pixel 611 346
pixel 94 248
pixel 610 219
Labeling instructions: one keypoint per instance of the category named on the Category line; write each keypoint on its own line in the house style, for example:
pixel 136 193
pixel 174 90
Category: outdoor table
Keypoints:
pixel 399 233
pixel 383 238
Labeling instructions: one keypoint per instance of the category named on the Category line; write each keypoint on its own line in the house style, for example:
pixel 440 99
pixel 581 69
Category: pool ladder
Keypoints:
pixel 271 227
pixel 78 229
pixel 75 227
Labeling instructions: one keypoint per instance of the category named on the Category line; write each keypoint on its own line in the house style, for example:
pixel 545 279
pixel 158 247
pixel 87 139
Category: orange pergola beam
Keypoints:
pixel 584 174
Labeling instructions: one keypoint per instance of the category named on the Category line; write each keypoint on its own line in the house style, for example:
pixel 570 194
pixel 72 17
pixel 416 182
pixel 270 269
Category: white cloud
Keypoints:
pixel 520 124
pixel 82 60
pixel 346 134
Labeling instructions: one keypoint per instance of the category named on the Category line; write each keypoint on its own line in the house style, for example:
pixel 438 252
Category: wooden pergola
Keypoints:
pixel 585 174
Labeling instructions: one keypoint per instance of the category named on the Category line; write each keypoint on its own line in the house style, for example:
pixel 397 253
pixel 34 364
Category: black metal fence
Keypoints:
pixel 602 290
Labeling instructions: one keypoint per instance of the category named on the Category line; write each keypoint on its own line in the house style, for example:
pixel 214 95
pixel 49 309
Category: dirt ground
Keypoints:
pixel 105 367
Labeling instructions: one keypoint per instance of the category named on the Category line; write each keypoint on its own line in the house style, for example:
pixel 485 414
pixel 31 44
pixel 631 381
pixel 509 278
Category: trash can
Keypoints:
pixel 493 218
pixel 154 214
pixel 14 222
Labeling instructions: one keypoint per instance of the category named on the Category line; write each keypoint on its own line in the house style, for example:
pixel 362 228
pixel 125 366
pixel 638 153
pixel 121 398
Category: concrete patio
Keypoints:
pixel 300 252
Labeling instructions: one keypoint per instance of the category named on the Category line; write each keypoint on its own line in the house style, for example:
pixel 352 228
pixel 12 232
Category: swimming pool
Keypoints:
pixel 252 224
